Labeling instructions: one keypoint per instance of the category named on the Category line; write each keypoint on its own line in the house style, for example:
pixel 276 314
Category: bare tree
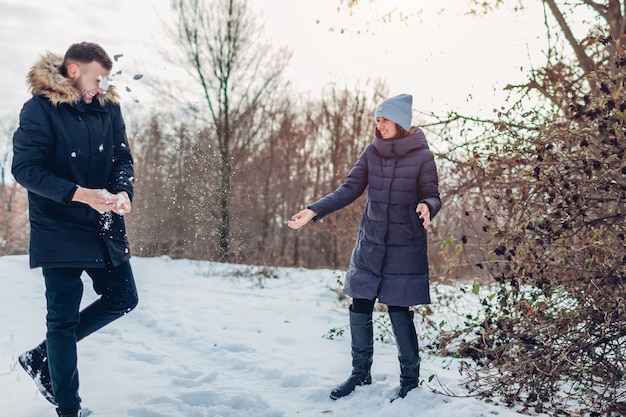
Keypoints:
pixel 14 226
pixel 346 127
pixel 155 223
pixel 7 127
pixel 238 75
pixel 270 184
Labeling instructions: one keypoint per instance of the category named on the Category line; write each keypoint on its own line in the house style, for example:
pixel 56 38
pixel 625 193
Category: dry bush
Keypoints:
pixel 552 337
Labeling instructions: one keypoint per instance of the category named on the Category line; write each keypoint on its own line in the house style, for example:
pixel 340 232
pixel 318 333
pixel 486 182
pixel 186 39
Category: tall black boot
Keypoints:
pixel 362 333
pixel 408 350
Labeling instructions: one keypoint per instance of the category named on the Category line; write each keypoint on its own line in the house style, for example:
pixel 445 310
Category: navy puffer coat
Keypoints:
pixel 389 260
pixel 62 143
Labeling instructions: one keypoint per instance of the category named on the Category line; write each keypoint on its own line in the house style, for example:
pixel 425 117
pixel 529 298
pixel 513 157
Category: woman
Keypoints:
pixel 389 261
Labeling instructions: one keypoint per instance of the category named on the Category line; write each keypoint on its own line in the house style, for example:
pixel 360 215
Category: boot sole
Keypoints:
pixel 36 379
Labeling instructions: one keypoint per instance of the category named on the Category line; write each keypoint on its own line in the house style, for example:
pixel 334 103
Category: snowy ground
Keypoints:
pixel 209 340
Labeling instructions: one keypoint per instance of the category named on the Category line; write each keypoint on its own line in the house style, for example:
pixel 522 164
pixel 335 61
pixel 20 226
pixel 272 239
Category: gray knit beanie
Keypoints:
pixel 398 109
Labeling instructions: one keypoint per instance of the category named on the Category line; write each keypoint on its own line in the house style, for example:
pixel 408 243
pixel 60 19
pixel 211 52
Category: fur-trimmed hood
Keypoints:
pixel 45 79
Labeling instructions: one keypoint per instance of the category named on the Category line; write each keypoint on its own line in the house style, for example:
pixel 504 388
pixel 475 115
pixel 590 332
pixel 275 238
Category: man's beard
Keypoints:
pixel 78 85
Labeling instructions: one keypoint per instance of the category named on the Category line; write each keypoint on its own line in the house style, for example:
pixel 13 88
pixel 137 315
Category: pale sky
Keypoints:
pixel 441 57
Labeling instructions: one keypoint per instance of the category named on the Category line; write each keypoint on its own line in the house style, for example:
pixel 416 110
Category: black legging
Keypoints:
pixel 364 306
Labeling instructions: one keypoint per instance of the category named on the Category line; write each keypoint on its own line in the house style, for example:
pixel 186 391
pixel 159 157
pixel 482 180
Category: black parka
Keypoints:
pixel 389 260
pixel 62 143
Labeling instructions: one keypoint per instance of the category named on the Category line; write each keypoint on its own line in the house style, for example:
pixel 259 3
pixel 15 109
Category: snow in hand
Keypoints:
pixel 211 339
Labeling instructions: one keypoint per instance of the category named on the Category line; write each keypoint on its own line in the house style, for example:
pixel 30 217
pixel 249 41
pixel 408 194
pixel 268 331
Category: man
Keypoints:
pixel 72 155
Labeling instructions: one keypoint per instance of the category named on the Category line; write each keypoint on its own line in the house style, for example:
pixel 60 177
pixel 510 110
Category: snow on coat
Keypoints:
pixel 60 144
pixel 389 260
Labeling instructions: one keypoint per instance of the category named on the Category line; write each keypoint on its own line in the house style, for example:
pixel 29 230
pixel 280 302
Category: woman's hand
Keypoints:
pixel 424 214
pixel 300 219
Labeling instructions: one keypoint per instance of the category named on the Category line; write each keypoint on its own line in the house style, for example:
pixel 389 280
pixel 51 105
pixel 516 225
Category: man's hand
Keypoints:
pixel 103 201
pixel 122 205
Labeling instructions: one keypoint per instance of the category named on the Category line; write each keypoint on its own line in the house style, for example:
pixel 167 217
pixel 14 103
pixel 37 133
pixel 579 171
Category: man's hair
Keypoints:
pixel 86 53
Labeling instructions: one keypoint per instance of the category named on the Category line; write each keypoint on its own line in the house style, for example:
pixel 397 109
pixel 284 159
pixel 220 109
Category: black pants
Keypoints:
pixel 364 306
pixel 66 325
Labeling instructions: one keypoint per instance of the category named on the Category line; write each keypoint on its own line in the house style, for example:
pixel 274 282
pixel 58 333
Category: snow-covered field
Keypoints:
pixel 211 339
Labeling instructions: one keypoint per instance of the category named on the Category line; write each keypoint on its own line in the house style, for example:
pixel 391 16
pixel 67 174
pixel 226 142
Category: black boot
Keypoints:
pixel 35 363
pixel 72 413
pixel 408 351
pixel 362 334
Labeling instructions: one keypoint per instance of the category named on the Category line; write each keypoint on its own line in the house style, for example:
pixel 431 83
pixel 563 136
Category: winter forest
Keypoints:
pixel 534 196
